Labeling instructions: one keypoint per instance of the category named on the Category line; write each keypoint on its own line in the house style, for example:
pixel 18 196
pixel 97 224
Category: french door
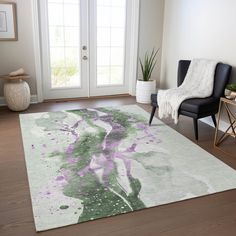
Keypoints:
pixel 85 47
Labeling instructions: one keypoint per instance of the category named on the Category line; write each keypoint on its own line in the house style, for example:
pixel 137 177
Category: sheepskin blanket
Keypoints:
pixel 198 83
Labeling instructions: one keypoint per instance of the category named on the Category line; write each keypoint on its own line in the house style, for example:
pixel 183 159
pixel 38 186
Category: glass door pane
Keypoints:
pixel 110 41
pixel 65 43
pixel 85 47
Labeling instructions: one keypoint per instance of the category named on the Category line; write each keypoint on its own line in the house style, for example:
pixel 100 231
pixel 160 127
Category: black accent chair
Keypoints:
pixel 198 108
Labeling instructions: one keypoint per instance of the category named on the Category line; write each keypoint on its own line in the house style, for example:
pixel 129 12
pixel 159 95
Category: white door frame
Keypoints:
pixel 134 46
pixel 64 92
pixel 111 89
pixel 133 50
pixel 37 49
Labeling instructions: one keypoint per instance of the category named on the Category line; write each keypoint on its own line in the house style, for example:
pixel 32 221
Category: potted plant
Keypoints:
pixel 146 86
pixel 230 91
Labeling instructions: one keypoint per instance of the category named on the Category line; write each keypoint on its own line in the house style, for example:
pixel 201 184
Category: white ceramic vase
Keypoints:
pixel 17 95
pixel 144 89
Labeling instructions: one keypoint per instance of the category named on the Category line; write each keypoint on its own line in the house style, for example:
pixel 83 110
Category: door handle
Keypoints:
pixel 85 58
pixel 84 48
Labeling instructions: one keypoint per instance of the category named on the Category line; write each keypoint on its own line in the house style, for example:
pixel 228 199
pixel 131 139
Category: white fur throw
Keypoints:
pixel 198 83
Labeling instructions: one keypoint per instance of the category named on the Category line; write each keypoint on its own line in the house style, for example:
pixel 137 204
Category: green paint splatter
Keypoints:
pixel 64 207
pixel 100 199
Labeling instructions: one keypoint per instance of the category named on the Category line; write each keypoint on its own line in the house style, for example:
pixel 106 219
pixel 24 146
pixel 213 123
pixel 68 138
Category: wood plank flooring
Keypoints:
pixel 210 215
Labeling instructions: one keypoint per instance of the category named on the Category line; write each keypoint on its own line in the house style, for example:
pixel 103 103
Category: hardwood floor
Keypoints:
pixel 210 215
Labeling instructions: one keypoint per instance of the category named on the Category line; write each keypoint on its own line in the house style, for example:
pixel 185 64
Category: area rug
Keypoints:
pixel 88 164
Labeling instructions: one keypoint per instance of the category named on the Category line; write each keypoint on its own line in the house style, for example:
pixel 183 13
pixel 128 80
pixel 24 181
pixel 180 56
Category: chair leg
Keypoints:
pixel 152 114
pixel 195 123
pixel 214 120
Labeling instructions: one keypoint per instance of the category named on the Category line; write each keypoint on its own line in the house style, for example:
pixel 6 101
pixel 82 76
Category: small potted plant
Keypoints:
pixel 146 86
pixel 230 91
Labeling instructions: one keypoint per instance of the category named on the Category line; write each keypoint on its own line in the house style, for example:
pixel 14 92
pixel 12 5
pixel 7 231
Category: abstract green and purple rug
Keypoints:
pixel 93 163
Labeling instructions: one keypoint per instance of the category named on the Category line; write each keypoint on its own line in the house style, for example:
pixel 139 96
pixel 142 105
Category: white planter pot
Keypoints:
pixel 227 92
pixel 144 89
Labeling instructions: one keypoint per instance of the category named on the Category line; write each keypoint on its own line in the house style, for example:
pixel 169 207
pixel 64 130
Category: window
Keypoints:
pixel 111 25
pixel 64 37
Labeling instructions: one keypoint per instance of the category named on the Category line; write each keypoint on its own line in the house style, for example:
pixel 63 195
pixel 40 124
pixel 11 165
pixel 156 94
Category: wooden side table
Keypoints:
pixel 231 130
pixel 16 92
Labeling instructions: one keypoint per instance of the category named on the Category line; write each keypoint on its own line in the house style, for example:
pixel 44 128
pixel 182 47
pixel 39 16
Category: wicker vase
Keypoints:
pixel 17 95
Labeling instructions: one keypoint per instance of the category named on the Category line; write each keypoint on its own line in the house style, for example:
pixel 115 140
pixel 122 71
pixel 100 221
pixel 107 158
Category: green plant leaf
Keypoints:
pixel 231 87
pixel 148 64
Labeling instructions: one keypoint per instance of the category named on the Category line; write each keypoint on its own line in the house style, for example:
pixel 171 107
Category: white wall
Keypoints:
pixel 151 31
pixel 17 54
pixel 197 29
pixel 14 55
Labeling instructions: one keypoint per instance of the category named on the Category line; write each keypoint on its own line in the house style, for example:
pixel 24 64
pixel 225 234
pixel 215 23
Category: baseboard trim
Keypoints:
pixel 33 100
pixel 86 98
pixel 223 125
